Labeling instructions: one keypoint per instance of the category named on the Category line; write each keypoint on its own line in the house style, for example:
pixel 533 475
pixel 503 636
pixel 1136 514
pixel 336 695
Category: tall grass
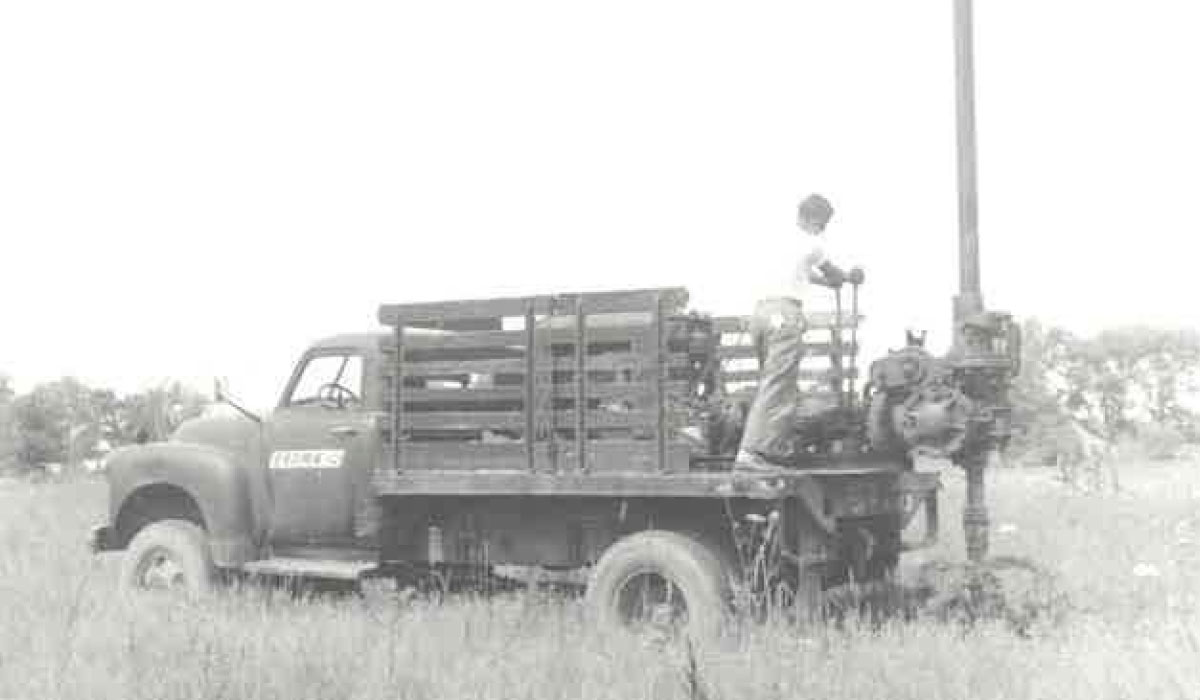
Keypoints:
pixel 1130 566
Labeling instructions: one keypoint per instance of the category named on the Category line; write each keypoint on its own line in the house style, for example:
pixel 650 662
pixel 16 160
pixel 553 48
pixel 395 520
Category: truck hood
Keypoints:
pixel 233 433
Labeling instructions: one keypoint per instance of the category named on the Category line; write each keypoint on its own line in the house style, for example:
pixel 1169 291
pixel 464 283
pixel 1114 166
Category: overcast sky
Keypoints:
pixel 199 189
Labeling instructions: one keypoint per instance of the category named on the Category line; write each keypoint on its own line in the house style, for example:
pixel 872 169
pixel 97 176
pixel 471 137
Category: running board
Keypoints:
pixel 295 567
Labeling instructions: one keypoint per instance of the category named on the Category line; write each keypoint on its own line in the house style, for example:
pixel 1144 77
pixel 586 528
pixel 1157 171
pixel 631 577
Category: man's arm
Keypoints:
pixel 819 268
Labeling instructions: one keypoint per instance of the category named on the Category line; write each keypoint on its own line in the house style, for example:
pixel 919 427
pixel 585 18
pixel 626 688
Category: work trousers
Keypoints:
pixel 777 330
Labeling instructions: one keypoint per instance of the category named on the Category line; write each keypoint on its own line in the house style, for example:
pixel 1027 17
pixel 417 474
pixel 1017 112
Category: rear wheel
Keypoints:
pixel 169 555
pixel 660 581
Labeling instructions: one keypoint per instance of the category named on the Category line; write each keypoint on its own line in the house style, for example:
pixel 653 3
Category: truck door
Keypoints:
pixel 321 449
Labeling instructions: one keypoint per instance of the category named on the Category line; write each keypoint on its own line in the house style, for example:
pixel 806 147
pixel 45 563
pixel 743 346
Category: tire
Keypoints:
pixel 657 579
pixel 169 555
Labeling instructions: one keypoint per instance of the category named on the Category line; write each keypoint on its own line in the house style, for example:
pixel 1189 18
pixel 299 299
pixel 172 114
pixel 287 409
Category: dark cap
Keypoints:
pixel 816 208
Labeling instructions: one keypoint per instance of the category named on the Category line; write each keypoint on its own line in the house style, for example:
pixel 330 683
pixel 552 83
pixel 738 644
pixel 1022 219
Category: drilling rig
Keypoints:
pixel 953 407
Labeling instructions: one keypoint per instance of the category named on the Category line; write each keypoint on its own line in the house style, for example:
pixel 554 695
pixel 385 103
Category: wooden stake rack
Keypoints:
pixel 567 383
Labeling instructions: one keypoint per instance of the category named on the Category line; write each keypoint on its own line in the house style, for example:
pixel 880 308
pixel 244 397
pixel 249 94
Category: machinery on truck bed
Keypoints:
pixel 591 433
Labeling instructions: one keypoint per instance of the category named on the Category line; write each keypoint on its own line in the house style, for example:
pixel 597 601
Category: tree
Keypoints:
pixel 1170 372
pixel 1039 416
pixel 155 413
pixel 63 421
pixel 52 421
pixel 1131 381
pixel 1124 377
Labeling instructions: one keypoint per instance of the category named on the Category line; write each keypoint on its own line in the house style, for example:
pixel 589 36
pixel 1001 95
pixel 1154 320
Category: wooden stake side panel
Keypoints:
pixel 826 366
pixel 537 382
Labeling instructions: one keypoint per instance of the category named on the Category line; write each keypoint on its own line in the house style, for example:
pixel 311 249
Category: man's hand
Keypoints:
pixel 856 276
pixel 833 275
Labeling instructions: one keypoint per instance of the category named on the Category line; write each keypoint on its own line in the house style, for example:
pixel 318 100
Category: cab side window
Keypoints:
pixel 331 381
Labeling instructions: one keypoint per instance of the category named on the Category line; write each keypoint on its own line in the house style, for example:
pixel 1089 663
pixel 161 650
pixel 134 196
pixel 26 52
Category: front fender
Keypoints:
pixel 216 480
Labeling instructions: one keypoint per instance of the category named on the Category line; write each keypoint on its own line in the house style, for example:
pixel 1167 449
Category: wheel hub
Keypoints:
pixel 650 601
pixel 162 571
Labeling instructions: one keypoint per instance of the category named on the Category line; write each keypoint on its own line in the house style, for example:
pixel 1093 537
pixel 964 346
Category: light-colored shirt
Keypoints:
pixel 786 274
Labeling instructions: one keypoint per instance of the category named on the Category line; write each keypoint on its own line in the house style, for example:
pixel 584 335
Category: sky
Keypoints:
pixel 190 190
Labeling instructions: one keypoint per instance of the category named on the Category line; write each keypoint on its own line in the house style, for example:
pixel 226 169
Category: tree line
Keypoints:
pixel 1133 385
pixel 66 422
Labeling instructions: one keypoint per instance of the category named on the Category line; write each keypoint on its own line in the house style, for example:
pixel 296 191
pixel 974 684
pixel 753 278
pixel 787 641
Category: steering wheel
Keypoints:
pixel 336 394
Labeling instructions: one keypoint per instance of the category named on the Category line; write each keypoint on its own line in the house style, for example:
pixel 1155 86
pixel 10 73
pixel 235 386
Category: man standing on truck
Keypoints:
pixel 777 328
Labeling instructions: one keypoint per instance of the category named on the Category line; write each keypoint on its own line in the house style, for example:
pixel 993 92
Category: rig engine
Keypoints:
pixel 942 407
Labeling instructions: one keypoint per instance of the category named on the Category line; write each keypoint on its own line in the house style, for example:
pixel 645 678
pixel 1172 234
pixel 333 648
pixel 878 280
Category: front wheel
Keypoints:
pixel 660 580
pixel 169 555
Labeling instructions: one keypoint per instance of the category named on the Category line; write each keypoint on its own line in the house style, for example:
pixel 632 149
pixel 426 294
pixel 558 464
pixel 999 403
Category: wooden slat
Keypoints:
pixel 426 368
pixel 331 569
pixel 661 359
pixel 603 456
pixel 741 352
pixel 820 393
pixel 615 361
pixel 530 387
pixel 595 390
pixel 516 340
pixel 581 345
pixel 614 484
pixel 597 302
pixel 805 374
pixel 813 319
pixel 463 339
pixel 505 393
pixel 545 423
pixel 515 420
pixel 397 396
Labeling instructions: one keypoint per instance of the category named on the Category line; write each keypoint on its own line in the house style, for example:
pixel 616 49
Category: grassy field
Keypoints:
pixel 1129 564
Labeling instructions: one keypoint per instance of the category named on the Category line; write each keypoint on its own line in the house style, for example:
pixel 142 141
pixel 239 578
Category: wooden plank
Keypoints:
pixel 391 314
pixel 465 339
pixel 814 319
pixel 742 352
pixel 515 420
pixel 661 358
pixel 603 456
pixel 529 383
pixel 458 456
pixel 814 375
pixel 480 394
pixel 426 368
pixel 599 303
pixel 598 337
pixel 609 484
pixel 616 361
pixel 334 569
pixel 545 432
pixel 637 393
pixel 820 393
pixel 581 344
pixel 397 393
